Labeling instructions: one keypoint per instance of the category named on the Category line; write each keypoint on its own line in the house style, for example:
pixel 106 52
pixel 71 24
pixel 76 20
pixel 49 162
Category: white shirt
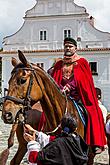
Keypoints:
pixel 103 109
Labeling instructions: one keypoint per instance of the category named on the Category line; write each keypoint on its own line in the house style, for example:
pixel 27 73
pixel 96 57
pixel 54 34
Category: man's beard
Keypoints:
pixel 67 60
pixel 68 53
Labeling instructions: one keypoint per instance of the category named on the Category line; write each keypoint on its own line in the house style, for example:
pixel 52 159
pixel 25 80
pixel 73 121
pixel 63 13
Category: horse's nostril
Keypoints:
pixel 8 116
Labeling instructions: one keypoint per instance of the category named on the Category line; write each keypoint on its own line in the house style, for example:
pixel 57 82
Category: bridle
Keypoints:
pixel 27 99
pixel 26 102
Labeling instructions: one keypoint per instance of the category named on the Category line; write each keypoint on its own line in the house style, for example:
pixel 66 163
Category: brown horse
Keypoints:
pixel 29 84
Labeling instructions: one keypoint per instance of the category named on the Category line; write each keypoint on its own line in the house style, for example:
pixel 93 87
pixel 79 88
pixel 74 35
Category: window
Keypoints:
pixel 79 39
pixel 93 67
pixel 43 35
pixel 40 65
pixel 67 33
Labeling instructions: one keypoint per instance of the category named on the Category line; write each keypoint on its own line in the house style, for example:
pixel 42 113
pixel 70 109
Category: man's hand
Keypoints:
pixel 66 89
pixel 29 137
pixel 29 133
pixel 28 128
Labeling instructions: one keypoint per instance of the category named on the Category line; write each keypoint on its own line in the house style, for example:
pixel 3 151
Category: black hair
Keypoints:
pixel 68 123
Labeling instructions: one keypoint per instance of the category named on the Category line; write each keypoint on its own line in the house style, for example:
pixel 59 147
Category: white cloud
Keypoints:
pixel 11 15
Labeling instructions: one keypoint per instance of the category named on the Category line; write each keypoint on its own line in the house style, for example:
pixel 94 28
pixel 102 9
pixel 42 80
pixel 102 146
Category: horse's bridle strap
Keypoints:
pixel 26 100
pixel 14 99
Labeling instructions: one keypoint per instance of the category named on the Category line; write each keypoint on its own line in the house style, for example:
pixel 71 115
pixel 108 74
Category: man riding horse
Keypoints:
pixel 73 76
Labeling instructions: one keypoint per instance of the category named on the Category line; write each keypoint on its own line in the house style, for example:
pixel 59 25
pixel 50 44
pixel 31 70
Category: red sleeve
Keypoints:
pixel 52 138
pixel 33 157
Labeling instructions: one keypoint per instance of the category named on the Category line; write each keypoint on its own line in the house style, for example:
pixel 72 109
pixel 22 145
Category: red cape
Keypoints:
pixel 95 134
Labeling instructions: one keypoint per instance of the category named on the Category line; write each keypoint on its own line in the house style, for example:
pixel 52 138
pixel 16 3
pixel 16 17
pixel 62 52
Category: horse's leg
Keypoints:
pixel 11 137
pixel 33 118
pixel 22 148
pixel 4 155
pixel 19 155
pixel 91 157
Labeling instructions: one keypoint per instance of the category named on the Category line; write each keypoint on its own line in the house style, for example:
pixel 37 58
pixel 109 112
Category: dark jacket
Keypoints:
pixel 65 150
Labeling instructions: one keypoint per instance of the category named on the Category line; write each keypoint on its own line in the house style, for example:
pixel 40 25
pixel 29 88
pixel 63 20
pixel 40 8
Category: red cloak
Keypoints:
pixel 95 134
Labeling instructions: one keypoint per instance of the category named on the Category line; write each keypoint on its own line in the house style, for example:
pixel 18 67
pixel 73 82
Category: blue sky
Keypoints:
pixel 13 11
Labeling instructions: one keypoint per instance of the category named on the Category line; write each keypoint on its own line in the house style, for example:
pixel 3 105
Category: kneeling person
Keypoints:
pixel 68 147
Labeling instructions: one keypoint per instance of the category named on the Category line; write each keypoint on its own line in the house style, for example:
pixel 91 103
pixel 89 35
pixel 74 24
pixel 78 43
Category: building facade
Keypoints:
pixel 41 39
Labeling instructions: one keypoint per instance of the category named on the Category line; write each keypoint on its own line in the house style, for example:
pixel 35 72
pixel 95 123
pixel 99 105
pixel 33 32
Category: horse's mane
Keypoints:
pixel 55 101
pixel 46 77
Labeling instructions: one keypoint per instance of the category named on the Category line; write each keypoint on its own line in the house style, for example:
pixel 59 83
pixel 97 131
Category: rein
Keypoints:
pixel 66 110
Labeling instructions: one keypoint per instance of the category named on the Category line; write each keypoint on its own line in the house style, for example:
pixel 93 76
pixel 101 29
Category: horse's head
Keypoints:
pixel 22 89
pixel 29 84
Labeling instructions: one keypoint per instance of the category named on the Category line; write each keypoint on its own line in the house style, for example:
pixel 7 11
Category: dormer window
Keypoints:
pixel 43 35
pixel 67 33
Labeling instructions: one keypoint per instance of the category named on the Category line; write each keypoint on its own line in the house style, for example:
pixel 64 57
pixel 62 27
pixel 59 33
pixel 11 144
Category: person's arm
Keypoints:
pixel 50 71
pixel 32 134
pixel 33 148
pixel 44 139
pixel 107 126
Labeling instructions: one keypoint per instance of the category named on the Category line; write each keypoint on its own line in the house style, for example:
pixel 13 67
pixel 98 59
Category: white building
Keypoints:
pixel 41 39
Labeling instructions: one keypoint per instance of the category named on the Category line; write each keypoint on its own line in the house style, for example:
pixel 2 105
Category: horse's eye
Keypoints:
pixel 23 81
pixel 20 81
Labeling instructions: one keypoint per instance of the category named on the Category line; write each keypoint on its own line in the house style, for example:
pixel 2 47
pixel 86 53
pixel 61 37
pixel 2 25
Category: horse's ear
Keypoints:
pixel 23 58
pixel 14 61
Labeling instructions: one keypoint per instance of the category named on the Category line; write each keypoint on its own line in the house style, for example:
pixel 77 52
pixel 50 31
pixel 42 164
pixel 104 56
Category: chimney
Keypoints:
pixel 91 20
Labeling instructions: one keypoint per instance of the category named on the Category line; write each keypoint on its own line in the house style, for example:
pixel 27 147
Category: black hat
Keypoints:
pixel 70 40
